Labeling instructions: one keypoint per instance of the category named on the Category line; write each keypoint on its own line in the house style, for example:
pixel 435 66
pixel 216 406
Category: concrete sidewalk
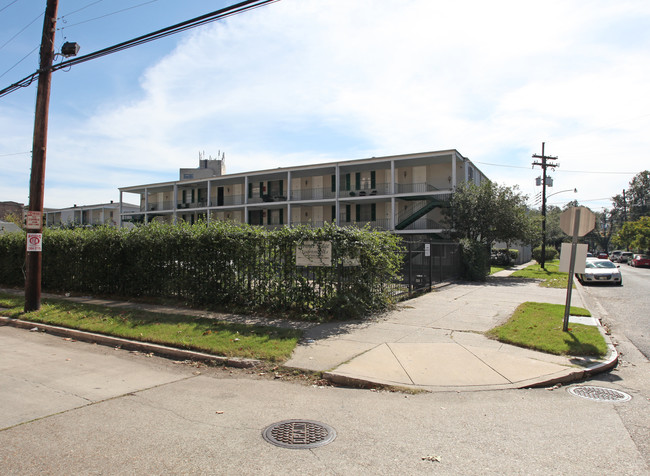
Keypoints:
pixel 432 342
pixel 435 342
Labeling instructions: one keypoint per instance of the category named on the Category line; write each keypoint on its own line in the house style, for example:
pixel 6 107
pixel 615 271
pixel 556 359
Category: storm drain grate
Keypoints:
pixel 299 434
pixel 600 394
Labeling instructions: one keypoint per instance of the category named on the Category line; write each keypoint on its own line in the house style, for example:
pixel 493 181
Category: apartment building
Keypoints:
pixel 90 215
pixel 403 194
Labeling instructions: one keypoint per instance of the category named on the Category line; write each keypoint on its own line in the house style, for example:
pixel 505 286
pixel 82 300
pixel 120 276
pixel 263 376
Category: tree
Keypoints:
pixel 633 203
pixel 480 215
pixel 554 234
pixel 489 212
pixel 634 235
pixel 639 196
pixel 600 237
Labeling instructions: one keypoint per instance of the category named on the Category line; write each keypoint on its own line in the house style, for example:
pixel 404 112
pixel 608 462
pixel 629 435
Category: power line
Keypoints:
pixel 7 6
pixel 101 16
pixel 80 9
pixel 156 35
pixel 23 29
pixel 572 171
pixel 21 60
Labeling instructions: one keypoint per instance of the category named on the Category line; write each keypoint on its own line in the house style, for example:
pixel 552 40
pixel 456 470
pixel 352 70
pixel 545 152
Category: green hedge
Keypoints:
pixel 503 256
pixel 475 258
pixel 551 254
pixel 219 265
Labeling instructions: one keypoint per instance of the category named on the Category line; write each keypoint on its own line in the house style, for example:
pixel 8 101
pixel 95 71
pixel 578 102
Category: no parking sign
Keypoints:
pixel 34 242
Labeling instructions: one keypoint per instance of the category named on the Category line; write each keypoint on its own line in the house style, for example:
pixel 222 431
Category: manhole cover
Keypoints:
pixel 600 394
pixel 299 434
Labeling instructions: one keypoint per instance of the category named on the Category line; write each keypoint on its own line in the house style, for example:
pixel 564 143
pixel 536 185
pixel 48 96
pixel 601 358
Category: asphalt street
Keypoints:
pixel 76 408
pixel 625 308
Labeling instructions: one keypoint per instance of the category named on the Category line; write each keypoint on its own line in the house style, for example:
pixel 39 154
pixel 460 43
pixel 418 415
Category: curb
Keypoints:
pixel 145 347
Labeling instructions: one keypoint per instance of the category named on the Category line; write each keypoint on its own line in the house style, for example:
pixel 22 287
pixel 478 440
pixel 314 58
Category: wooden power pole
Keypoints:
pixel 39 148
pixel 544 164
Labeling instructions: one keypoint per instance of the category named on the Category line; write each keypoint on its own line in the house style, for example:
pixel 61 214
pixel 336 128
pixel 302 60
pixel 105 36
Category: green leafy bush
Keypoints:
pixel 475 258
pixel 220 265
pixel 503 256
pixel 551 254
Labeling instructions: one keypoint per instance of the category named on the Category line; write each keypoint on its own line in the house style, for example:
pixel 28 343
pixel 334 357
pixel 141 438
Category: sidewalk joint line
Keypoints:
pixel 400 364
pixel 485 363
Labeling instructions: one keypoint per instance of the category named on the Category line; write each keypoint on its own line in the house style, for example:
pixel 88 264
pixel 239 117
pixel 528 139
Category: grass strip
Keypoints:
pixel 538 326
pixel 550 276
pixel 496 269
pixel 187 332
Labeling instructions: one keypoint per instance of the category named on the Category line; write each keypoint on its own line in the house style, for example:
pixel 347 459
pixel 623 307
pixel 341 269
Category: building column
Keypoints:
pixel 146 205
pixel 175 204
pixel 453 171
pixel 337 196
pixel 208 202
pixel 121 210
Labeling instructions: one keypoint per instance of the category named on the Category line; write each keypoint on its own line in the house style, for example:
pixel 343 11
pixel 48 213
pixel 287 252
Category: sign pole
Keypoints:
pixel 569 287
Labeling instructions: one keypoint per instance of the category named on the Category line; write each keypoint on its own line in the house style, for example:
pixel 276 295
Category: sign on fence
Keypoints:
pixel 312 253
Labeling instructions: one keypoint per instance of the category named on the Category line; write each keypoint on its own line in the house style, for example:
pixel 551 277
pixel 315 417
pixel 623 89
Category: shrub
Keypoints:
pixel 220 265
pixel 503 256
pixel 551 254
pixel 475 258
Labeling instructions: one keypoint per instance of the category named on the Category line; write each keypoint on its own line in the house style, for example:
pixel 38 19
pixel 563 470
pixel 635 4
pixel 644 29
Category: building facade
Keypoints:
pixel 89 215
pixel 403 194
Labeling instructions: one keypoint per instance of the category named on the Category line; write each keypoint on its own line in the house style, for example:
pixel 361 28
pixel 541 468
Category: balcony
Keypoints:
pixel 200 204
pixel 378 189
pixel 313 194
pixel 415 188
pixel 227 201
pixel 158 206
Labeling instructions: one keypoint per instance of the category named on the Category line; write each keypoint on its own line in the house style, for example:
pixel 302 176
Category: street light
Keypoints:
pixel 574 190
pixel 544 199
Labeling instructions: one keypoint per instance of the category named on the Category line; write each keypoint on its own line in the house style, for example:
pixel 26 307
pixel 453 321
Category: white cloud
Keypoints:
pixel 305 81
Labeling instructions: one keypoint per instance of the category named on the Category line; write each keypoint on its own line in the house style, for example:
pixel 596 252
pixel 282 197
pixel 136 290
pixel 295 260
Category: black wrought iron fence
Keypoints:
pixel 427 263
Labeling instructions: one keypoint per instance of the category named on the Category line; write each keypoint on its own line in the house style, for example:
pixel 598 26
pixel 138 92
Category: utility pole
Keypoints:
pixel 39 148
pixel 624 208
pixel 544 164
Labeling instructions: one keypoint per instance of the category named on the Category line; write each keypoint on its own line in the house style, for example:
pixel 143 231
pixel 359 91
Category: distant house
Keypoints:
pixel 11 208
pixel 403 194
pixel 89 215
pixel 8 227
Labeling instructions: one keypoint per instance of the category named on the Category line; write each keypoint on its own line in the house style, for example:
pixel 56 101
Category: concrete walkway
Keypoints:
pixel 434 342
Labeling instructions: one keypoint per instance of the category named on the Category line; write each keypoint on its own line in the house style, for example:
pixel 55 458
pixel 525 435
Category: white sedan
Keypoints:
pixel 601 271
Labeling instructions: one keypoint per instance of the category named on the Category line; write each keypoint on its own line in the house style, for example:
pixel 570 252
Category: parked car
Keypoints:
pixel 601 271
pixel 640 260
pixel 625 256
pixel 613 256
pixel 602 255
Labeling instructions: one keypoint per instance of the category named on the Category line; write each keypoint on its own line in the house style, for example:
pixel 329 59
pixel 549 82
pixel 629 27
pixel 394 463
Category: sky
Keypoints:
pixel 300 82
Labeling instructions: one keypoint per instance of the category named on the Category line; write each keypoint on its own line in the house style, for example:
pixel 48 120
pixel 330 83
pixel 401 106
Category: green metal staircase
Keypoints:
pixel 423 206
